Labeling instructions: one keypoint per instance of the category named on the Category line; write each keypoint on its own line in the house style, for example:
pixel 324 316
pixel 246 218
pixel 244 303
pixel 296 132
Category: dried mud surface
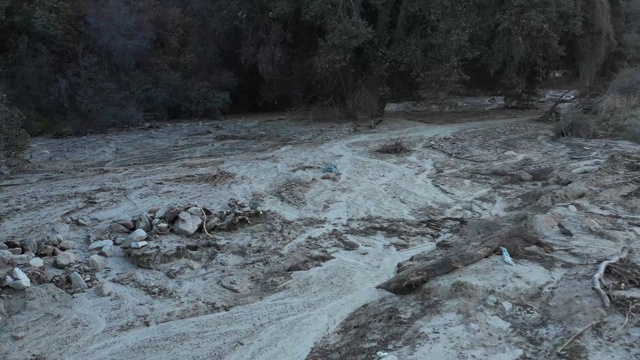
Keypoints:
pixel 300 281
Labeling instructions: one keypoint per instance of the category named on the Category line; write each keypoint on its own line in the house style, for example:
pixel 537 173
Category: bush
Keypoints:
pixel 619 108
pixel 575 123
pixel 14 140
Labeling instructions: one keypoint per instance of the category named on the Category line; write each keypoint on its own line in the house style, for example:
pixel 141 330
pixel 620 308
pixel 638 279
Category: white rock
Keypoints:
pixel 510 153
pixel 65 259
pixel 36 262
pixel 585 169
pixel 97 262
pixel 5 256
pixel 139 245
pixel 103 290
pixel 507 307
pixel 143 223
pixel 160 213
pixel 524 176
pixel 21 280
pixel 100 244
pixel 108 251
pixel 5 280
pixel 19 284
pixel 573 208
pixel 77 282
pixel 136 236
pixel 186 224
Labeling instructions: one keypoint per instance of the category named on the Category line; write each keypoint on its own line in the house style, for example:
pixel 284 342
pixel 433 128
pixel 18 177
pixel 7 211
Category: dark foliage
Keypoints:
pixel 88 64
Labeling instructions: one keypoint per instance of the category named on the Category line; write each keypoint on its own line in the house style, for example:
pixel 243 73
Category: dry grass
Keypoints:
pixel 396 145
pixel 619 108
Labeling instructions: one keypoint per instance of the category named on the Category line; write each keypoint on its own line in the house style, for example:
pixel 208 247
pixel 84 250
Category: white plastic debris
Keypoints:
pixel 506 257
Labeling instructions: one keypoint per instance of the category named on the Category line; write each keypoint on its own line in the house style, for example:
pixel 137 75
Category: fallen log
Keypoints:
pixel 414 276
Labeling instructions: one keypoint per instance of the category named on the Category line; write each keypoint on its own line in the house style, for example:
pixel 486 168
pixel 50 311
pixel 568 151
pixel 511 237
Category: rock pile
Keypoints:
pixel 74 267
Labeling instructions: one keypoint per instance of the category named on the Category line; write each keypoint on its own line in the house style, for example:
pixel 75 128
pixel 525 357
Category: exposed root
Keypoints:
pixel 597 277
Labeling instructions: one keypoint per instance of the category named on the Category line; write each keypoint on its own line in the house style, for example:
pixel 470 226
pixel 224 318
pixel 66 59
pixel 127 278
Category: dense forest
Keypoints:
pixel 87 64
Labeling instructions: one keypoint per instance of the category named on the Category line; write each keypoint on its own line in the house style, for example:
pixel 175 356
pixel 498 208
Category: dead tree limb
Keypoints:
pixel 597 277
pixel 549 113
pixel 414 276
pixel 590 326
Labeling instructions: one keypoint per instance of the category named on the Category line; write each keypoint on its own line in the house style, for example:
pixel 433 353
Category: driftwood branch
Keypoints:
pixel 590 326
pixel 597 277
pixel 549 113
pixel 412 277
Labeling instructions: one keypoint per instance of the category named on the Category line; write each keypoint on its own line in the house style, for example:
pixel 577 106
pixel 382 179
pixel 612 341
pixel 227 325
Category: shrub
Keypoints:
pixel 14 140
pixel 575 123
pixel 396 145
pixel 619 108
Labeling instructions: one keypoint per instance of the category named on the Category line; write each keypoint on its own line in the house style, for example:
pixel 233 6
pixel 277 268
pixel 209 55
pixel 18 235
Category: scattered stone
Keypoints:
pixel 18 336
pixel 36 262
pixel 139 245
pixel 55 239
pixel 108 251
pixel 143 223
pixel 196 212
pixel 3 246
pixel 15 251
pixel 127 223
pixel 82 221
pixel 5 280
pixel 585 169
pixel 163 227
pixel 507 307
pixel 136 236
pixel 104 290
pixel 67 245
pixel 524 176
pixel 97 262
pixel 329 168
pixel 186 224
pixel 119 241
pixel 160 213
pixel 5 256
pixel 492 300
pixel 100 244
pixel 65 259
pixel 510 153
pixel 573 208
pixel 21 259
pixel 21 280
pixel 45 250
pixel 118 229
pixel 77 282
pixel 29 245
pixel 61 228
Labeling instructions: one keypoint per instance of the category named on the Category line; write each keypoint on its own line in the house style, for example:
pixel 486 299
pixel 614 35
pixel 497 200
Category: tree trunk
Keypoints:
pixel 417 275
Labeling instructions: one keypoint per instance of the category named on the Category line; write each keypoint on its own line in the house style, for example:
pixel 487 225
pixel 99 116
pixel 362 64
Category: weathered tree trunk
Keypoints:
pixel 419 274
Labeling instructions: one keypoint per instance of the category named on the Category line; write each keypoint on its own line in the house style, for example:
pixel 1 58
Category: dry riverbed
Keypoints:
pixel 303 221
